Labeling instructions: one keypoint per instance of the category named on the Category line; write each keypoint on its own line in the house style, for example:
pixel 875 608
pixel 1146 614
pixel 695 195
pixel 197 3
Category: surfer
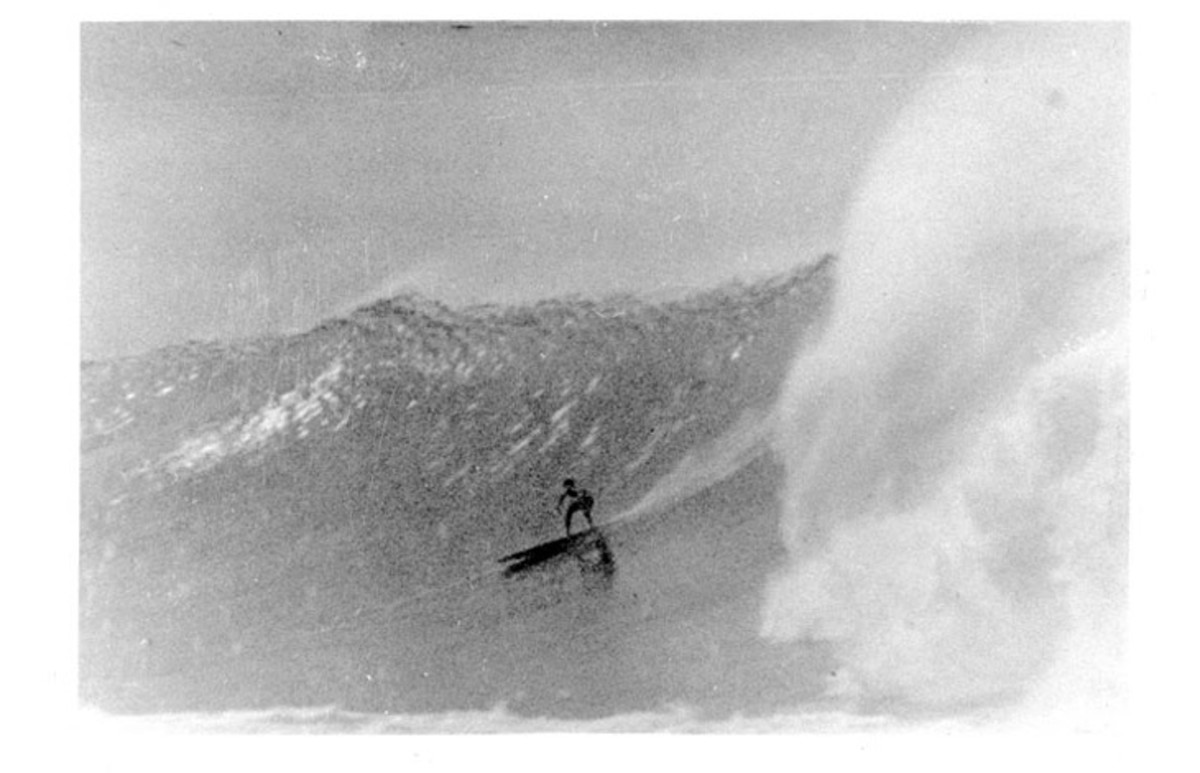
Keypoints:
pixel 578 500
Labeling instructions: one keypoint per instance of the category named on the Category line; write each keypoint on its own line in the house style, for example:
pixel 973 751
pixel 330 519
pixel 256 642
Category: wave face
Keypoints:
pixel 263 521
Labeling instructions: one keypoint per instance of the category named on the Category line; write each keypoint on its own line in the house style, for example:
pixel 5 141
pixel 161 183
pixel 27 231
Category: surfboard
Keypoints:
pixel 553 547
pixel 574 544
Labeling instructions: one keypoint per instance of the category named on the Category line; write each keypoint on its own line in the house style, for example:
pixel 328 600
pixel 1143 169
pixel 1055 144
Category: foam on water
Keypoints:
pixel 956 505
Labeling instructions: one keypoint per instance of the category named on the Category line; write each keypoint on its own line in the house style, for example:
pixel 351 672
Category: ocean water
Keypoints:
pixel 317 520
pixel 885 489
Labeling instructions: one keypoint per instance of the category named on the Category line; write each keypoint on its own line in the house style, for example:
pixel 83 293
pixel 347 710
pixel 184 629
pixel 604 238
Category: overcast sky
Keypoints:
pixel 243 178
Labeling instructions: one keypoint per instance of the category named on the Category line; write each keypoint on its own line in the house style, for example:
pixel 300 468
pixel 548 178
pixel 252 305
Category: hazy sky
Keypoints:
pixel 245 178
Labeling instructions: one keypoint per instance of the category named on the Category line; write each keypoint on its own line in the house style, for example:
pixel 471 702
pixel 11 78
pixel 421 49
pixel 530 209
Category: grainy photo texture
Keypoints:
pixel 720 377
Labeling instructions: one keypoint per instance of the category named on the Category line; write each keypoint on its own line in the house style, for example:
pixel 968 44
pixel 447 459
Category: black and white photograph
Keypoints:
pixel 591 377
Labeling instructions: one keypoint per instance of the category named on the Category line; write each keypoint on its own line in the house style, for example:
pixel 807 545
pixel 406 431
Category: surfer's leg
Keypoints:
pixel 574 508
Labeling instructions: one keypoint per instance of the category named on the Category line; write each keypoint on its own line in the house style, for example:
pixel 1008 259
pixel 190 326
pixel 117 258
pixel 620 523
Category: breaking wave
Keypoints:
pixel 950 418
pixel 956 444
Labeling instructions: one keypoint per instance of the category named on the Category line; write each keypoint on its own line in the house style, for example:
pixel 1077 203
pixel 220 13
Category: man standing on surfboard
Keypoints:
pixel 579 500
